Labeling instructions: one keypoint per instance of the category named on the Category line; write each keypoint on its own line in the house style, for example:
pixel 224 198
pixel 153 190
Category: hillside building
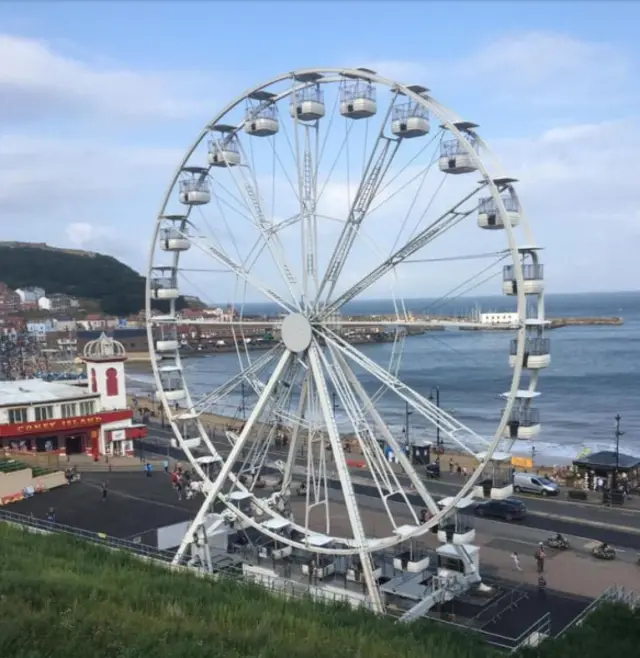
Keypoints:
pixel 29 296
pixel 9 300
pixel 57 302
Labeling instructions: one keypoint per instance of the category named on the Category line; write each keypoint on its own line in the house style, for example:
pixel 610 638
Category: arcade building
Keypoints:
pixel 66 419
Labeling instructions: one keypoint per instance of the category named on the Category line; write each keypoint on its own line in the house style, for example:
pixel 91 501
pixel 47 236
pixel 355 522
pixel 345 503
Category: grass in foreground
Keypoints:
pixel 63 598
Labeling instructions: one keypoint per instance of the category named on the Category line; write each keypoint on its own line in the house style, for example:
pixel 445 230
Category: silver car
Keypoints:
pixel 536 484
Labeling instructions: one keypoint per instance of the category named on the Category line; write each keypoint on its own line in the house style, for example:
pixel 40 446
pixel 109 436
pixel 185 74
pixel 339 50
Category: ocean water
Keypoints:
pixel 594 374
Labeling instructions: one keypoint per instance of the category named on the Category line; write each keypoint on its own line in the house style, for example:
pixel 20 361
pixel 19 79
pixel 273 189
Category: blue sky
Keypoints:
pixel 100 100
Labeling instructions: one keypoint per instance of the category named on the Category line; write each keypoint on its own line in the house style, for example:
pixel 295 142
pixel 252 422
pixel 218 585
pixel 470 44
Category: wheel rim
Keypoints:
pixel 313 332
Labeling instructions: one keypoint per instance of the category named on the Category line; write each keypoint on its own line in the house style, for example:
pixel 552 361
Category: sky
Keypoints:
pixel 101 100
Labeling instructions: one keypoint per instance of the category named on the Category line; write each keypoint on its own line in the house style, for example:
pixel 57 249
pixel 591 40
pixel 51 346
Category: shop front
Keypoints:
pixel 64 436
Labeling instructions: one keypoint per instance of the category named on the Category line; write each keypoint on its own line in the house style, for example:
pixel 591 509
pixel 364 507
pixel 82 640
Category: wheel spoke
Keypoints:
pixel 448 425
pixel 443 223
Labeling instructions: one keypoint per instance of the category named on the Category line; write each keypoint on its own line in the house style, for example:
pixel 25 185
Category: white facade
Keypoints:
pixel 499 319
pixel 30 295
pixel 57 303
pixel 104 359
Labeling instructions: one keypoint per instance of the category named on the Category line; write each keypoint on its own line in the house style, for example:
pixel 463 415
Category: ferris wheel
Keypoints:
pixel 303 195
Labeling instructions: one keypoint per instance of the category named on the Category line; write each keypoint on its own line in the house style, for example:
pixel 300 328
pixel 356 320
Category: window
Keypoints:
pixel 94 381
pixel 112 381
pixel 18 415
pixel 87 408
pixel 68 410
pixel 44 413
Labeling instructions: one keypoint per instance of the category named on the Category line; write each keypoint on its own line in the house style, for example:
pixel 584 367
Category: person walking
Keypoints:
pixel 165 465
pixel 540 555
pixel 104 489
pixel 516 561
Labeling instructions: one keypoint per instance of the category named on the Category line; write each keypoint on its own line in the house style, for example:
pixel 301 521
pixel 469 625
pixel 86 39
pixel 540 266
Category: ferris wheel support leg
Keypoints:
pixel 291 457
pixel 345 480
pixel 216 487
pixel 386 433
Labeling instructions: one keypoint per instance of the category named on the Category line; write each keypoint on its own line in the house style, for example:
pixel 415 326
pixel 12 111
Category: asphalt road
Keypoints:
pixel 546 516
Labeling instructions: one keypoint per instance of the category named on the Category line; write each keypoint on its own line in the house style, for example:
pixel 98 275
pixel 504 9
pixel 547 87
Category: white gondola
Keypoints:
pixel 524 423
pixel 456 527
pixel 307 104
pixel 497 482
pixel 410 119
pixel 533 275
pixel 262 121
pixel 173 240
pixel 537 353
pixel 195 189
pixel 174 394
pixel 490 218
pixel 357 99
pixel 164 287
pixel 454 158
pixel 166 345
pixel 224 153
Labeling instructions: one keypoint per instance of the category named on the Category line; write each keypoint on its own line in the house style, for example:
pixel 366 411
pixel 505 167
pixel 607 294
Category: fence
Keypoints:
pixel 615 594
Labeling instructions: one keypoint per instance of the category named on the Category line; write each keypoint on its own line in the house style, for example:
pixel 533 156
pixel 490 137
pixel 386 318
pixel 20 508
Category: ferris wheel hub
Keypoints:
pixel 296 332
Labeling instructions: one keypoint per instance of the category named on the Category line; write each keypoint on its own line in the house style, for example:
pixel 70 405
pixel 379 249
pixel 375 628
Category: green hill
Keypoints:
pixel 118 289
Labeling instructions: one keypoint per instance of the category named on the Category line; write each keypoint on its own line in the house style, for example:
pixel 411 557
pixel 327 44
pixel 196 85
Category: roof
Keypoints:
pixel 606 459
pixel 36 391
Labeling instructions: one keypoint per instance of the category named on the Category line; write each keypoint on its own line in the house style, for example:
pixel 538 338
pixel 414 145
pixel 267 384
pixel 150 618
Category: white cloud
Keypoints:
pixel 533 67
pixel 39 173
pixel 37 82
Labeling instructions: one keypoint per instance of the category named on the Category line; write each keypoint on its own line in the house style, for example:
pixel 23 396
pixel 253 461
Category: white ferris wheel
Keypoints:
pixel 308 192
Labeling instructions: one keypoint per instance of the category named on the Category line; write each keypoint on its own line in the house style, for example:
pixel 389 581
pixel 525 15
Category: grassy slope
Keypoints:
pixel 65 598
pixel 61 598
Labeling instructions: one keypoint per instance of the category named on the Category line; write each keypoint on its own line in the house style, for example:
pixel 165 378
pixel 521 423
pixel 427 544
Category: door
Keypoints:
pixel 536 485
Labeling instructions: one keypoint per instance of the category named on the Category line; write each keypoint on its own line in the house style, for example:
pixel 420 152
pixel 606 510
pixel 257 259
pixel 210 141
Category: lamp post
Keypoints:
pixel 618 434
pixel 407 417
pixel 436 389
pixel 243 409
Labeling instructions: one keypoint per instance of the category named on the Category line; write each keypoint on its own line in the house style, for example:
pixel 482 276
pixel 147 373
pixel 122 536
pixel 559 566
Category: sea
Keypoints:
pixel 594 373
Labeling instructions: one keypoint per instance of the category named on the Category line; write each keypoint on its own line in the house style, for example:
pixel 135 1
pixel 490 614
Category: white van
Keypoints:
pixel 537 484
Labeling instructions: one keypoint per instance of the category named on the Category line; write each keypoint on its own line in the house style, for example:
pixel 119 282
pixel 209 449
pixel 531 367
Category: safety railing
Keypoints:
pixel 614 594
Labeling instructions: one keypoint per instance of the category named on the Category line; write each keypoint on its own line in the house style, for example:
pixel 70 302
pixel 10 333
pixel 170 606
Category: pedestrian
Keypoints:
pixel 542 586
pixel 165 465
pixel 51 515
pixel 450 464
pixel 147 469
pixel 516 561
pixel 104 491
pixel 540 555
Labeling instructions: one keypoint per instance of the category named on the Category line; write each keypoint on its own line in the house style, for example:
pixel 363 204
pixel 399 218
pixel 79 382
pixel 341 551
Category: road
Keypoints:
pixel 546 516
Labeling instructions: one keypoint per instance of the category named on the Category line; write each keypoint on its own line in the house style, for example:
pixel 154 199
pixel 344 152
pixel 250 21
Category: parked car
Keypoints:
pixel 509 509
pixel 528 483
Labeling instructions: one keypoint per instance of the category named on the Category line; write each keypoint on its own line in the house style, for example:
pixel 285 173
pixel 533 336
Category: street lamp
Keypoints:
pixel 618 434
pixel 407 417
pixel 436 389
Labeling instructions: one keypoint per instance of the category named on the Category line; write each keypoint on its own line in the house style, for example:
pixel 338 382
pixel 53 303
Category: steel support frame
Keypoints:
pixel 216 486
pixel 345 479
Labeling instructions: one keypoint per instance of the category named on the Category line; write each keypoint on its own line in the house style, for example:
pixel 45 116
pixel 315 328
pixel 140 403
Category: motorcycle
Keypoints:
pixel 604 552
pixel 432 471
pixel 559 543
